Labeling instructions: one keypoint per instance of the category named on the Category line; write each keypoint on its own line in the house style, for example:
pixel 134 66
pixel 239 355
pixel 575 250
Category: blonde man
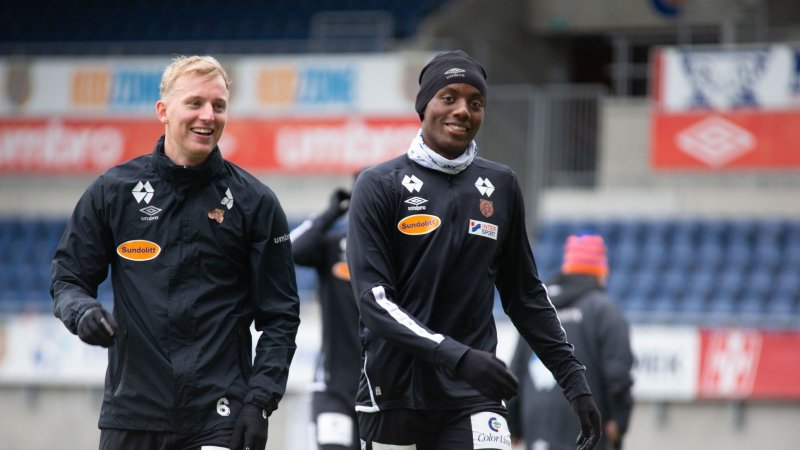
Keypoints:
pixel 198 250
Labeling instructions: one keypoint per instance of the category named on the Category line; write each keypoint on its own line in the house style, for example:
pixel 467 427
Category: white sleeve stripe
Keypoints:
pixel 368 409
pixel 547 295
pixel 300 230
pixel 401 317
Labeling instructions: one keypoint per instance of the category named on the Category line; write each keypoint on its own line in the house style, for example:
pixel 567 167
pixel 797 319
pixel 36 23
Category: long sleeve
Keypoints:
pixel 81 260
pixel 274 294
pixel 525 300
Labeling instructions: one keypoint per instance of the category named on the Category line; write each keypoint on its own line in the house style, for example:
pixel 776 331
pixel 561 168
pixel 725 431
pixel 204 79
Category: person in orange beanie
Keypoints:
pixel 596 327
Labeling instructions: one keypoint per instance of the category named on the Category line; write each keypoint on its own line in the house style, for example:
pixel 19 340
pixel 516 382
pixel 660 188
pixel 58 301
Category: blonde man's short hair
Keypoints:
pixel 200 65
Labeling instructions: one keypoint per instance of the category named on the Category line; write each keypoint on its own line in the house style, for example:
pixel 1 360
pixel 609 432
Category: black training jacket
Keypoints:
pixel 426 250
pixel 601 335
pixel 196 255
pixel 320 244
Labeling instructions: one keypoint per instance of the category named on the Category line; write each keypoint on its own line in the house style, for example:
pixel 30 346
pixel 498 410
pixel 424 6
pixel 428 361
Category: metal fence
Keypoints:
pixel 548 135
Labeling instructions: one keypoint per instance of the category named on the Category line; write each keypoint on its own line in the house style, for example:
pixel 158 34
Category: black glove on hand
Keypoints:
pixel 587 413
pixel 250 432
pixel 97 327
pixel 340 202
pixel 487 374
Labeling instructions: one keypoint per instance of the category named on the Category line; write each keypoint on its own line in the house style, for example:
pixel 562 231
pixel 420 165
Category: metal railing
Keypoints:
pixel 549 135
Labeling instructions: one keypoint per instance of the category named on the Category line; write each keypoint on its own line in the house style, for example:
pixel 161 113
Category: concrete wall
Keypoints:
pixel 629 187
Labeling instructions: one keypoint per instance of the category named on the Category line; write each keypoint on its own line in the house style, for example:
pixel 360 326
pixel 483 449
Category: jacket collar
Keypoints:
pixel 186 177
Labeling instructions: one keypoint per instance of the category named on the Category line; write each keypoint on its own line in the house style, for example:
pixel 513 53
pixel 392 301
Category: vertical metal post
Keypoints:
pixel 537 156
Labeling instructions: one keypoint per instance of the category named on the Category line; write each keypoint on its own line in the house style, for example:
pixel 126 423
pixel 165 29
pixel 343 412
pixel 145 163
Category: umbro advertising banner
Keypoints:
pixel 299 145
pixel 742 140
pixel 726 109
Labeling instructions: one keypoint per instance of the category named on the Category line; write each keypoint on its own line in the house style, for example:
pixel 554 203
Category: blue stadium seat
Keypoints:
pixel 787 281
pixel 673 282
pixel 700 283
pixel 693 309
pixel 632 231
pixel 721 309
pixel 752 309
pixel 665 307
pixel 781 312
pixel 552 234
pixel 682 255
pixel 742 231
pixel 624 256
pixel 685 232
pixel 791 257
pixel 771 230
pixel 731 281
pixel 709 254
pixel 759 281
pixel 782 304
pixel 646 281
pixel 654 254
pixel 713 231
pixel 738 255
pixel 635 306
pixel 658 232
pixel 610 232
pixel 618 284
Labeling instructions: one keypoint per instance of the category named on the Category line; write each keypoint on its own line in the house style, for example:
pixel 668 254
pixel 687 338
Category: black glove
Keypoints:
pixel 97 327
pixel 250 431
pixel 339 203
pixel 587 413
pixel 487 374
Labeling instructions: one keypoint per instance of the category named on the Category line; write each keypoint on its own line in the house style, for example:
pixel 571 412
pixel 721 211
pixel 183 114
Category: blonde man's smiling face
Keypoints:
pixel 194 114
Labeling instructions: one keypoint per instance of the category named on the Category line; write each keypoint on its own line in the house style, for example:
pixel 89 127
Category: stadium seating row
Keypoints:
pixel 713 272
pixel 154 20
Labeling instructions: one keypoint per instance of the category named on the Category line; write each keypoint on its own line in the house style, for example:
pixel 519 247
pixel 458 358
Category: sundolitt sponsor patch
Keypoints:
pixel 418 224
pixel 138 250
pixel 484 229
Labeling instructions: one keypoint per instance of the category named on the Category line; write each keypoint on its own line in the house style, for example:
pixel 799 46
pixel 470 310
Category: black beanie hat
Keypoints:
pixel 448 68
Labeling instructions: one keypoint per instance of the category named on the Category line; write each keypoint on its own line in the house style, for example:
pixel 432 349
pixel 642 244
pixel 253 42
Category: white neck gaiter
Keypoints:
pixel 421 154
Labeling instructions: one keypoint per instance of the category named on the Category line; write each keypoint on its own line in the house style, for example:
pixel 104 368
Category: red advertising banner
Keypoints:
pixel 749 364
pixel 302 146
pixel 722 108
pixel 744 140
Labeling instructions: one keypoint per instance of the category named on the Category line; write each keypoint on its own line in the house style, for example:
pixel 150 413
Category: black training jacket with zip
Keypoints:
pixel 182 358
pixel 426 250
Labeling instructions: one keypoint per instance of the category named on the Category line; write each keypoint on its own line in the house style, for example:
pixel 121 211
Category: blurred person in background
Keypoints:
pixel 539 416
pixel 199 249
pixel 431 233
pixel 320 242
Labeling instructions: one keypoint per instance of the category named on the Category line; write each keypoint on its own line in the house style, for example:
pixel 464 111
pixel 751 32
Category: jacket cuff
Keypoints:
pixel 448 353
pixel 576 385
pixel 266 404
